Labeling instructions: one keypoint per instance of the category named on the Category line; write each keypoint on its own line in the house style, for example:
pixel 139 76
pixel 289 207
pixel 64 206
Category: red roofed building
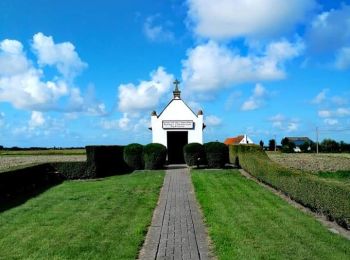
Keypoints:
pixel 241 139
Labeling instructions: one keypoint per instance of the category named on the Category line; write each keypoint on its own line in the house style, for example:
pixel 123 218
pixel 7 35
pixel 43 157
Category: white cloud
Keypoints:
pixel 62 55
pixel 324 113
pixel 212 120
pixel 284 124
pixel 250 104
pixel 36 120
pixel 342 61
pixel 146 95
pixel 330 30
pixel 86 103
pixel 109 124
pixel 156 32
pixel 2 119
pixel 12 58
pixel 256 100
pixel 212 66
pixel 277 118
pixel 292 126
pixel 241 18
pixel 23 85
pixel 126 123
pixel 340 101
pixel 330 121
pixel 123 123
pixel 320 97
pixel 339 112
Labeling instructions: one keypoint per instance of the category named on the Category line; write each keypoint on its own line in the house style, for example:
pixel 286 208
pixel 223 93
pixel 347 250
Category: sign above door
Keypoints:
pixel 177 124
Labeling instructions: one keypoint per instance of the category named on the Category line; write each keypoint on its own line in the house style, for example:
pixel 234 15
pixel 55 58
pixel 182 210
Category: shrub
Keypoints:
pixel 72 170
pixel 133 156
pixel 24 181
pixel 154 155
pixel 193 152
pixel 216 154
pixel 105 161
pixel 321 195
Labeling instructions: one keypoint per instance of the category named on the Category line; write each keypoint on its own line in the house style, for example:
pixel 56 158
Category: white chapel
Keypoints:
pixel 176 126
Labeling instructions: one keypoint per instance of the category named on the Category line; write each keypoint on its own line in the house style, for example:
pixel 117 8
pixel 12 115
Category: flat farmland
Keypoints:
pixel 13 161
pixel 322 162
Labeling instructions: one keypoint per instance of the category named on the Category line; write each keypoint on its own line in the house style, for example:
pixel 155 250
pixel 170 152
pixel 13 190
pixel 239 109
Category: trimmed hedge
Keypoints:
pixel 216 154
pixel 133 156
pixel 27 180
pixel 72 170
pixel 328 197
pixel 104 160
pixel 192 152
pixel 154 155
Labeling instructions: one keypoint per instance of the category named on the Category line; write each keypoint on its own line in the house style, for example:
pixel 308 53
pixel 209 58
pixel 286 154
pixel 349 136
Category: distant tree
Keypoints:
pixel 312 146
pixel 330 146
pixel 344 147
pixel 261 143
pixel 285 141
pixel 272 144
pixel 1 147
pixel 287 146
pixel 305 147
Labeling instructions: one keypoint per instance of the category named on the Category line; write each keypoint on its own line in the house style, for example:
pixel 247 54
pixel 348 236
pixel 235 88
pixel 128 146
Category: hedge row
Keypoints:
pixel 194 154
pixel 212 154
pixel 105 160
pixel 101 161
pixel 108 160
pixel 133 156
pixel 71 170
pixel 321 195
pixel 27 180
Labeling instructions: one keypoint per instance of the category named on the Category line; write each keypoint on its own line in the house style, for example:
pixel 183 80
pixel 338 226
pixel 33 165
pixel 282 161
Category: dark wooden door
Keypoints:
pixel 176 141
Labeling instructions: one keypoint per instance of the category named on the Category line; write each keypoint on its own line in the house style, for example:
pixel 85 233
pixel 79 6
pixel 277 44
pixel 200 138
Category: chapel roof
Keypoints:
pixel 177 97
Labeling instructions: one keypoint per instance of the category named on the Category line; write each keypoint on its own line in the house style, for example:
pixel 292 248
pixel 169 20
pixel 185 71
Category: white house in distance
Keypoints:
pixel 176 126
pixel 241 139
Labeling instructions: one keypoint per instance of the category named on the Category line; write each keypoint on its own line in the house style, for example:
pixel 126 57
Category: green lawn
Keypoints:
pixel 99 219
pixel 246 221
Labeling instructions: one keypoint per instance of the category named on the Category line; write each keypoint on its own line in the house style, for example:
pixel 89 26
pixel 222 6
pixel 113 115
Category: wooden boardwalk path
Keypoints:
pixel 177 230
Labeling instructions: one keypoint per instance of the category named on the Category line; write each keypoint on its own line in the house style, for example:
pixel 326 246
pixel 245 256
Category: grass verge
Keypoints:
pixel 99 219
pixel 246 221
pixel 338 175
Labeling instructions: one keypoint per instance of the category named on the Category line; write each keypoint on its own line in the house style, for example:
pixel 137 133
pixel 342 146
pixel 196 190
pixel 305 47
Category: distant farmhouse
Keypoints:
pixel 176 126
pixel 241 139
pixel 299 141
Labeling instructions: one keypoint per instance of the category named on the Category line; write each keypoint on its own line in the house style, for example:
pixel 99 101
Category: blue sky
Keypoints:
pixel 76 72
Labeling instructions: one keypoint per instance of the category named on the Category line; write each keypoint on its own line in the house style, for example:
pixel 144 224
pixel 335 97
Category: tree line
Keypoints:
pixel 326 146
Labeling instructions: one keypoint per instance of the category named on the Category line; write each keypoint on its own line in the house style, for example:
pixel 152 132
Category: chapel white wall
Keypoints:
pixel 177 110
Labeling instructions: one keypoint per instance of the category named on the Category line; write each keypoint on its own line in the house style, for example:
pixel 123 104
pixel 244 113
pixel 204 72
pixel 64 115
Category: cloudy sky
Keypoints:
pixel 79 72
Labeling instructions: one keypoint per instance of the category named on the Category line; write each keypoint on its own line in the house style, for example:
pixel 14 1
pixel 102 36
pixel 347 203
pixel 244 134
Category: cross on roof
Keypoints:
pixel 176 82
pixel 177 92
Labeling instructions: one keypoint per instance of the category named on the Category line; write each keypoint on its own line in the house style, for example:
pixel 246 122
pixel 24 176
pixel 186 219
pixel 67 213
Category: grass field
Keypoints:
pixel 44 152
pixel 312 162
pixel 97 219
pixel 246 221
pixel 8 162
